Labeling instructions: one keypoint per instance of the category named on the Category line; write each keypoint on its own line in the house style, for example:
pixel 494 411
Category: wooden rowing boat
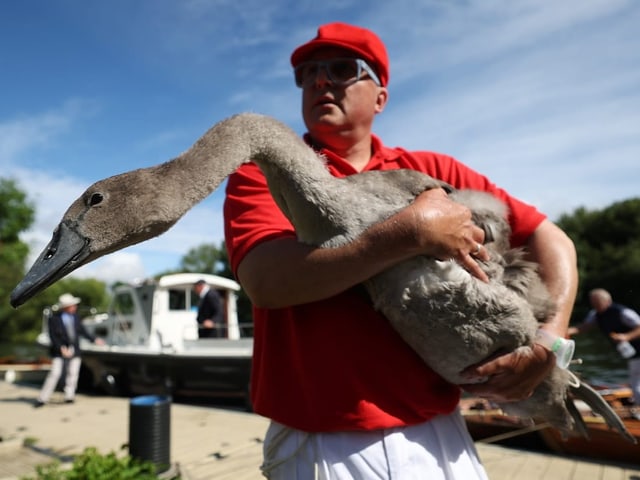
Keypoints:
pixel 13 369
pixel 490 425
pixel 603 442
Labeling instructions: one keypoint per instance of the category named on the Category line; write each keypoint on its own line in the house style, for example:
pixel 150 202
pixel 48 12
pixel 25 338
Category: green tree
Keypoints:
pixel 26 321
pixel 205 258
pixel 608 246
pixel 16 215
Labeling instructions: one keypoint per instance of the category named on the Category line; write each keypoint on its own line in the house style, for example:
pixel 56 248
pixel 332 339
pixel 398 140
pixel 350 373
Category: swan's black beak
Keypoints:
pixel 65 252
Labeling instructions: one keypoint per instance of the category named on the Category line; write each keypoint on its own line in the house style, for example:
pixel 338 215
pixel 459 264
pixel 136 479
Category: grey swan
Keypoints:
pixel 436 306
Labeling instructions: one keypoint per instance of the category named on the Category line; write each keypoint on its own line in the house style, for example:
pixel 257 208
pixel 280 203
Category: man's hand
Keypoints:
pixel 443 229
pixel 67 352
pixel 511 377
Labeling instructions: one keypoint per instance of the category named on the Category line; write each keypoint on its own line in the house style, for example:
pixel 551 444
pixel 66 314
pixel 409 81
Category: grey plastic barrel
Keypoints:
pixel 150 430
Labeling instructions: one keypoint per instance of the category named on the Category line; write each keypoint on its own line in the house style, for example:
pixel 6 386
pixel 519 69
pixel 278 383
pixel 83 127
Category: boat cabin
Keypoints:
pixel 161 314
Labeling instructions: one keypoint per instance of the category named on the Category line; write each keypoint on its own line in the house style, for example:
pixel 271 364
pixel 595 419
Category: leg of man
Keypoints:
pixel 50 383
pixel 71 382
pixel 634 380
pixel 440 449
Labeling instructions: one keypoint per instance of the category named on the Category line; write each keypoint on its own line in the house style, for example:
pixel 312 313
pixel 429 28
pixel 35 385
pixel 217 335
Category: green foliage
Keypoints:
pixel 608 246
pixel 25 322
pixel 16 212
pixel 91 465
pixel 16 216
pixel 206 258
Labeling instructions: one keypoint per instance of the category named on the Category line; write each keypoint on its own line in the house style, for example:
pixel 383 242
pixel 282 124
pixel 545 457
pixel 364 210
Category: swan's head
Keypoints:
pixel 110 215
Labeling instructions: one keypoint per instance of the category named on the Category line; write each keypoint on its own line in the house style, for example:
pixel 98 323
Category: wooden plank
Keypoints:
pixel 559 468
pixel 214 443
pixel 534 468
pixel 501 463
pixel 613 473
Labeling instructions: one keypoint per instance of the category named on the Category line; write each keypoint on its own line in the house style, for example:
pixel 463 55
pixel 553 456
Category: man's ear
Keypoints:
pixel 381 99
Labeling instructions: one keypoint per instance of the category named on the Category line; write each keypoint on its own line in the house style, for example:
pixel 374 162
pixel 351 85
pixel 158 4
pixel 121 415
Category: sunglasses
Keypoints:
pixel 340 71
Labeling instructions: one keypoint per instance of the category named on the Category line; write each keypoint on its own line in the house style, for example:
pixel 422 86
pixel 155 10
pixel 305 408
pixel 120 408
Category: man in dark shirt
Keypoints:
pixel 210 315
pixel 621 325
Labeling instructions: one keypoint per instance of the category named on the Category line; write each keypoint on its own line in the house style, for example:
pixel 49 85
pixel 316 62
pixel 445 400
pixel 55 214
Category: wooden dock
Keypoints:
pixel 209 443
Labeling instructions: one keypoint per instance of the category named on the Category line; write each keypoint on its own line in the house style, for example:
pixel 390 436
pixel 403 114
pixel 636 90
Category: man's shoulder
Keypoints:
pixel 212 294
pixel 630 314
pixel 618 307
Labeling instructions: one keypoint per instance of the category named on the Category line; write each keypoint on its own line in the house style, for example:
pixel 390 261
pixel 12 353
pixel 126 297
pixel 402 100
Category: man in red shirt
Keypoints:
pixel 346 396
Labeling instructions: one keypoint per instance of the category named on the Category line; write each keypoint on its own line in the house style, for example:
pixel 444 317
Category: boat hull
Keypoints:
pixel 492 426
pixel 603 442
pixel 213 370
pixel 24 372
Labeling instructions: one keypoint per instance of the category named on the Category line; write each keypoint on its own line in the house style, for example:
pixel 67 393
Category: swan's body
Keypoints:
pixel 451 319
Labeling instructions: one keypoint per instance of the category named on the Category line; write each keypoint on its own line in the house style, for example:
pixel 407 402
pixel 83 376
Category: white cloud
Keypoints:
pixel 119 266
pixel 517 90
pixel 532 94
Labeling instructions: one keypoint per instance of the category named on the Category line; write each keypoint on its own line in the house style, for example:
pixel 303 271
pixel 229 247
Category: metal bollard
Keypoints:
pixel 150 430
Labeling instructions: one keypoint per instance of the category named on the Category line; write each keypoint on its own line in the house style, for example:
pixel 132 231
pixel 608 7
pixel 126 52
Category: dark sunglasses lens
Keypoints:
pixel 340 72
pixel 343 71
pixel 304 72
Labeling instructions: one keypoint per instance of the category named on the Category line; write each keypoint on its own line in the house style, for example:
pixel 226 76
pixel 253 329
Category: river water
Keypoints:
pixel 601 363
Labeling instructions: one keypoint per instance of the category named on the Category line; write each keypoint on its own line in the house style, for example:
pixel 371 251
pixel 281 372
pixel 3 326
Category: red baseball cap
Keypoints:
pixel 359 40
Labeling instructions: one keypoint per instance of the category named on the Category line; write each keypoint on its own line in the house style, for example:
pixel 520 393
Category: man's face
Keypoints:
pixel 329 110
pixel 71 309
pixel 598 303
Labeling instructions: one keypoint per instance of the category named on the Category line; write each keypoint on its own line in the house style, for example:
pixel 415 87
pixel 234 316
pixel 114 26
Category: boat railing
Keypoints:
pixel 245 331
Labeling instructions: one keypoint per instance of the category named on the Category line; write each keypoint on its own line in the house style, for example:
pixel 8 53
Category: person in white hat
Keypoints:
pixel 65 330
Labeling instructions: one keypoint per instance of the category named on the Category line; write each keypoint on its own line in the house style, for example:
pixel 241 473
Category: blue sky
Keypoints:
pixel 541 96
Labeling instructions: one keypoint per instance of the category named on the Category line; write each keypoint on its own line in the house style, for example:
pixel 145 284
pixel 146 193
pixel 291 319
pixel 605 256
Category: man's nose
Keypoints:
pixel 322 76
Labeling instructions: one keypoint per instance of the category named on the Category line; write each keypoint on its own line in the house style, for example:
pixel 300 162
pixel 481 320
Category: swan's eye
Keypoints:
pixel 95 199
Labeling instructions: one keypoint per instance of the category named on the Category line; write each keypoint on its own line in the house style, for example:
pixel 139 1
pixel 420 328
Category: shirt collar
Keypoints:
pixel 339 165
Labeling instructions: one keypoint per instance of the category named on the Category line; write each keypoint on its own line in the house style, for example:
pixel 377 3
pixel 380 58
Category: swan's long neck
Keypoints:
pixel 135 206
pixel 297 177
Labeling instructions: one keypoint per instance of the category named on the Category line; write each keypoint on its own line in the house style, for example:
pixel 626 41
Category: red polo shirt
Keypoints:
pixel 336 364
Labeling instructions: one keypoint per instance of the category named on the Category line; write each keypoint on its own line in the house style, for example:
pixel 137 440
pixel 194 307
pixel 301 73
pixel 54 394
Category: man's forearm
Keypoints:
pixel 284 272
pixel 555 253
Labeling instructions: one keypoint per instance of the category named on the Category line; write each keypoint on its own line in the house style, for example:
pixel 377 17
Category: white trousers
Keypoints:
pixel 440 449
pixel 634 379
pixel 70 382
